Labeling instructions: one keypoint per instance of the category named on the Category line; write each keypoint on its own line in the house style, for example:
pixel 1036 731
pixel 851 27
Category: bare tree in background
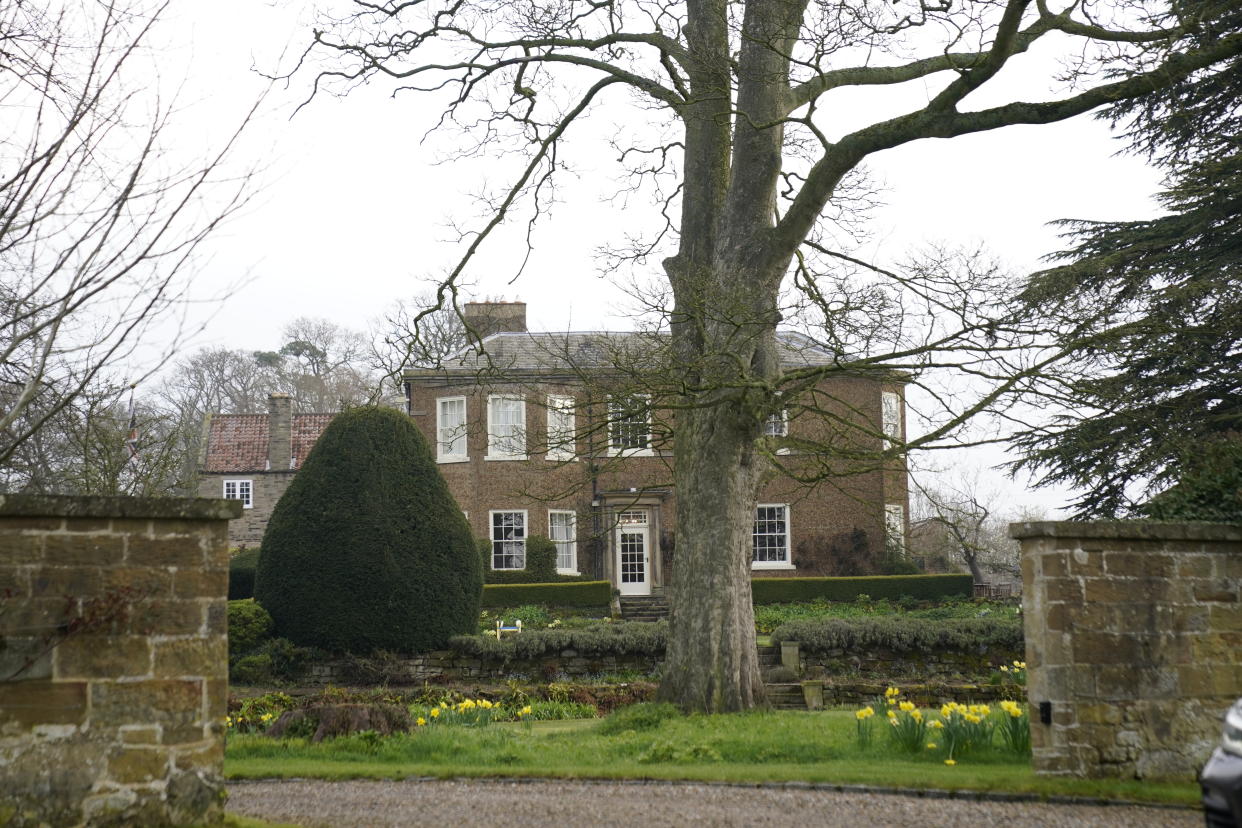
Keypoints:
pixel 98 224
pixel 756 142
pixel 408 336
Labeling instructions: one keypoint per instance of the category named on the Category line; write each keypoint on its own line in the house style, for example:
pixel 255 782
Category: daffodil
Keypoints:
pixel 435 712
pixel 931 745
pixel 950 762
pixel 936 724
pixel 906 706
pixel 421 721
pixel 525 711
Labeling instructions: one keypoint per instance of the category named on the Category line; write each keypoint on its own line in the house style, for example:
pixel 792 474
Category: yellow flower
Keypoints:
pixel 931 745
pixel 1004 669
pixel 936 724
pixel 1021 665
pixel 485 704
pixel 984 710
pixel 892 716
pixel 525 711
pixel 972 718
pixel 421 721
pixel 435 712
pixel 892 692
pixel 950 762
pixel 860 714
pixel 906 706
pixel 917 715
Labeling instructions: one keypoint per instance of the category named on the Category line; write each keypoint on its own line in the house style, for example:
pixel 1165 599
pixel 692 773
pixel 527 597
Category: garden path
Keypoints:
pixel 516 804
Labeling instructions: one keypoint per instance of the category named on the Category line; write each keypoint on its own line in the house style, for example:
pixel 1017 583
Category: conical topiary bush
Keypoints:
pixel 367 549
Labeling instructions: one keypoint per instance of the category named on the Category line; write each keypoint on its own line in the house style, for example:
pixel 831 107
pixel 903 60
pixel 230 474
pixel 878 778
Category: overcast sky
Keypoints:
pixel 353 211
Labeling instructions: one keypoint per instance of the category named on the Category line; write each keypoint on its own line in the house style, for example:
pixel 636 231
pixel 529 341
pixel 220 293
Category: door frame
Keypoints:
pixel 644 529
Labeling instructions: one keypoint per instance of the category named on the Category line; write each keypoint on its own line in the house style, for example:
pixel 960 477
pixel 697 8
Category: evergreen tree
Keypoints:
pixel 367 548
pixel 1156 305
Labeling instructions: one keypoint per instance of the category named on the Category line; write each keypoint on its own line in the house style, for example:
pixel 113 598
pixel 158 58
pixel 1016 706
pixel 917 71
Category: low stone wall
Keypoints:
pixel 113 662
pixel 1133 635
pixel 892 665
pixel 444 666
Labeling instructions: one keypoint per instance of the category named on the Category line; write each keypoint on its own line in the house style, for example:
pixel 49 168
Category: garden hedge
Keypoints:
pixel 921 587
pixel 367 549
pixel 898 634
pixel 577 594
pixel 241 574
pixel 621 638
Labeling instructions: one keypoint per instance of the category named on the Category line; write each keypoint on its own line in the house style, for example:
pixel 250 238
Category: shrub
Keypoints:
pixel 921 587
pixel 1209 489
pixel 249 624
pixel 638 717
pixel 367 548
pixel 540 564
pixel 251 669
pixel 638 638
pixel 580 594
pixel 901 634
pixel 241 574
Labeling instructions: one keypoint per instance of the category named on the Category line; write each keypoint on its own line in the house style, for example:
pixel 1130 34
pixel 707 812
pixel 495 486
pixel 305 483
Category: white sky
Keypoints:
pixel 353 211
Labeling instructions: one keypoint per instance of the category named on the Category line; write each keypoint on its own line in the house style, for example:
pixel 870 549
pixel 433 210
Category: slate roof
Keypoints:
pixel 527 351
pixel 238 442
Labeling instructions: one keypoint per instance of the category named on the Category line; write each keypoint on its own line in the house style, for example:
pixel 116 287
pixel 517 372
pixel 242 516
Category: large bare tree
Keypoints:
pixel 99 220
pixel 757 145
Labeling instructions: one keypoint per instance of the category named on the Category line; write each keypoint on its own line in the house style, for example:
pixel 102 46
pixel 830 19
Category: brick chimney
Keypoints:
pixel 279 432
pixel 487 318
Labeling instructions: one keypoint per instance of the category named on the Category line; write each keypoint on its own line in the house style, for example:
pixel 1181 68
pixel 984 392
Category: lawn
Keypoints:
pixel 768 746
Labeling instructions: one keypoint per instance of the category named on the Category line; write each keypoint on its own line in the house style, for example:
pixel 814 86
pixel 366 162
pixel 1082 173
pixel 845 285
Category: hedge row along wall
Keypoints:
pixel 581 594
pixel 922 587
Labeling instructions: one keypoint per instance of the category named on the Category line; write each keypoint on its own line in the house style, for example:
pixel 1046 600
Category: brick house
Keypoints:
pixel 530 445
pixel 529 449
pixel 252 458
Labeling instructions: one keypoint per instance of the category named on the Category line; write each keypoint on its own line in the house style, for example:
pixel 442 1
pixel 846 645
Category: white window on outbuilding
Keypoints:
pixel 506 427
pixel 563 530
pixel 451 429
pixel 242 490
pixel 509 539
pixel 771 537
pixel 561 428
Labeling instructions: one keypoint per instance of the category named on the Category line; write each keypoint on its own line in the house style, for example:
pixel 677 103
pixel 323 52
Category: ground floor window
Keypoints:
pixel 771 537
pixel 509 540
pixel 562 529
pixel 239 490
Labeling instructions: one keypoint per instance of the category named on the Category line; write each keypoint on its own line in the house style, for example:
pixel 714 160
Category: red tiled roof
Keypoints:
pixel 306 430
pixel 238 442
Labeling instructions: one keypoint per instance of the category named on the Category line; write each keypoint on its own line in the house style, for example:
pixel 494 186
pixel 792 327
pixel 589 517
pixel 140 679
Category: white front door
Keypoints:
pixel 633 556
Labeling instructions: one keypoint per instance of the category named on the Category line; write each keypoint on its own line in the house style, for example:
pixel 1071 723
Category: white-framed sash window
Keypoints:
pixel 895 527
pixel 508 539
pixel 890 414
pixel 506 427
pixel 771 537
pixel 451 429
pixel 242 490
pixel 563 530
pixel 560 428
pixel 629 426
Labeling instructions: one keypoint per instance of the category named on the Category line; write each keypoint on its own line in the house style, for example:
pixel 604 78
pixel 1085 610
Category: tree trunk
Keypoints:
pixel 711 663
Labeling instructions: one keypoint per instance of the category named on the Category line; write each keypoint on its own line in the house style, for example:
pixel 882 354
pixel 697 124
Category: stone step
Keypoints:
pixel 786 696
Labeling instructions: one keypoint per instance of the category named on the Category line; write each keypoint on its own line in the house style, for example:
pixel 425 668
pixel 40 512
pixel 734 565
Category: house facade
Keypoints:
pixel 531 444
pixel 253 458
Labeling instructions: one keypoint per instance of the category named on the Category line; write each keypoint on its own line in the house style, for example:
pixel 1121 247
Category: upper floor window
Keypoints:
pixel 560 428
pixel 771 537
pixel 239 490
pixel 890 405
pixel 506 428
pixel 777 424
pixel 509 540
pixel 562 529
pixel 450 429
pixel 629 425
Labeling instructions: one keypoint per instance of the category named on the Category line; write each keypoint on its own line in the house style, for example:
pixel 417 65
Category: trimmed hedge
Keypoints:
pixel 899 634
pixel 633 638
pixel 367 549
pixel 577 594
pixel 540 565
pixel 922 587
pixel 241 574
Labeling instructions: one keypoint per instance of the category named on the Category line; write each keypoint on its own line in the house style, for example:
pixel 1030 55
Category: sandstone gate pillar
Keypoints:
pixel 113 661
pixel 1133 640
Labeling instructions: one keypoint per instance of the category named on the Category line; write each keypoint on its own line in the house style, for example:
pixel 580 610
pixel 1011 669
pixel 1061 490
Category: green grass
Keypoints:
pixel 751 747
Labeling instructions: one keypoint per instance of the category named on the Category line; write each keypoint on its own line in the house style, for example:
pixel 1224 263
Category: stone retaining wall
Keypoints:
pixel 1133 635
pixel 444 666
pixel 113 662
pixel 891 665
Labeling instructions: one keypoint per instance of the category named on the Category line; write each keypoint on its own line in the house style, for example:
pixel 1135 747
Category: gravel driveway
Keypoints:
pixel 496 803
